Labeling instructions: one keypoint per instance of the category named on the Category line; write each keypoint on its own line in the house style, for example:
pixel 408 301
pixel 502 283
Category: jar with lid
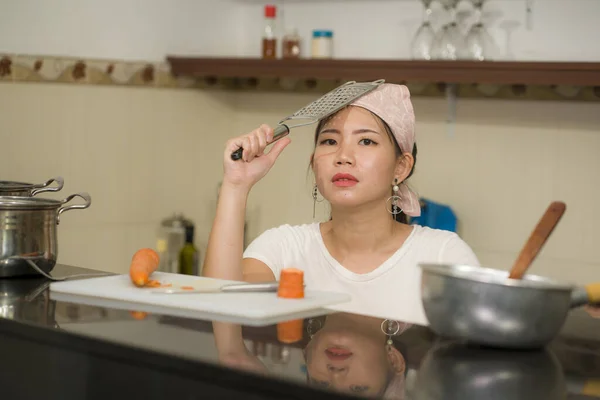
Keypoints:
pixel 171 239
pixel 290 45
pixel 322 44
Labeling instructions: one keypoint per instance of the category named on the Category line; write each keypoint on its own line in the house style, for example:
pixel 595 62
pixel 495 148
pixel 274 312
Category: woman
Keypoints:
pixel 362 157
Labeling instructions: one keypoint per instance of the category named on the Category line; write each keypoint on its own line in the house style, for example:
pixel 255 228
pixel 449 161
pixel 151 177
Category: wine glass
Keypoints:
pixel 480 45
pixel 423 41
pixel 449 43
pixel 509 26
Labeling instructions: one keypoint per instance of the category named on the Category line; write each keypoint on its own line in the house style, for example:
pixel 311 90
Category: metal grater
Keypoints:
pixel 321 108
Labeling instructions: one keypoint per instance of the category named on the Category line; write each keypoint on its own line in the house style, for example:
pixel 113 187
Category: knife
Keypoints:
pixel 231 288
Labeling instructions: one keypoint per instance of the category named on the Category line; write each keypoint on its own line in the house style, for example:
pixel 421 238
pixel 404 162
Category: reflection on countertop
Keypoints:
pixel 430 367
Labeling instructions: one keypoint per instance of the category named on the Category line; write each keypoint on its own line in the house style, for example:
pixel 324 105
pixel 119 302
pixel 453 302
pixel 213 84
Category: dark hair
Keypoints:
pixel 401 217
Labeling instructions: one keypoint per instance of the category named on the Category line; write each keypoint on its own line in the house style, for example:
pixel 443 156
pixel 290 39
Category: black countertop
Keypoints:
pixel 53 349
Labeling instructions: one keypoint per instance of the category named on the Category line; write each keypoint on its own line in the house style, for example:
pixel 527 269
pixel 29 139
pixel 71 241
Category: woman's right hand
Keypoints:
pixel 254 164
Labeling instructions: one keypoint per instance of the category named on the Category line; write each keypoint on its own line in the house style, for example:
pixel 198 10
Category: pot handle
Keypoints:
pixel 83 195
pixel 588 294
pixel 60 182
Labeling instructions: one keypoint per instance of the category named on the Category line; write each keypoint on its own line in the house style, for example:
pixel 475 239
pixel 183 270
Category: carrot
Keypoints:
pixel 289 331
pixel 187 288
pixel 143 263
pixel 291 284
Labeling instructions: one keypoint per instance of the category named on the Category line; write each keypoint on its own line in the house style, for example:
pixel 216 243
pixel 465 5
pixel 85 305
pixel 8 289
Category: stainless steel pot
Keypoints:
pixel 28 228
pixel 482 305
pixel 10 188
pixel 27 299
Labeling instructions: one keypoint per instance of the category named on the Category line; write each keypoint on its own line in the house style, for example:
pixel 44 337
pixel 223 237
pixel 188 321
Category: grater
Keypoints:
pixel 321 108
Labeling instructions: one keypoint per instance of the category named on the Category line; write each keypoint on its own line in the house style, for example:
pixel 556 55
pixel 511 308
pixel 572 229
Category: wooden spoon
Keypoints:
pixel 538 238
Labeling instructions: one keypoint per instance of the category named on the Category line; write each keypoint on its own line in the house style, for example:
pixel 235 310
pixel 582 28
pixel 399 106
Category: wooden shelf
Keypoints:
pixel 247 73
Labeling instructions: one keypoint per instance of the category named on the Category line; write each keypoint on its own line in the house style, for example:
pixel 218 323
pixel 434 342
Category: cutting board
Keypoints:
pixel 118 291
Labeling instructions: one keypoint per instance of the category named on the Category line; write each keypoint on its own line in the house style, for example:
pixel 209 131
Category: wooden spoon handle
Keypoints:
pixel 537 239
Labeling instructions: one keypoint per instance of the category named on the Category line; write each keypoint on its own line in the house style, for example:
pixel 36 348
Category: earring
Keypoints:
pixel 393 328
pixel 394 199
pixel 315 196
pixel 390 328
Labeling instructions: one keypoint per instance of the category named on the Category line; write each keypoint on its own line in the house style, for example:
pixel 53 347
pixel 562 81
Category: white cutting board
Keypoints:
pixel 118 291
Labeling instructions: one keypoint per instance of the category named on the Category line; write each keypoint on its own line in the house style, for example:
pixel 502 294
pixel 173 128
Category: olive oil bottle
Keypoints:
pixel 188 256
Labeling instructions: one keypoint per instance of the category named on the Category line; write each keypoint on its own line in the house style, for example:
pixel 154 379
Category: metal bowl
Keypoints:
pixel 454 370
pixel 484 306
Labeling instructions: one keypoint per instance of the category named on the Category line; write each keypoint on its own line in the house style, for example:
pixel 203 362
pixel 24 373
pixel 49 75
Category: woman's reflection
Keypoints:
pixel 343 352
pixel 231 348
pixel 354 353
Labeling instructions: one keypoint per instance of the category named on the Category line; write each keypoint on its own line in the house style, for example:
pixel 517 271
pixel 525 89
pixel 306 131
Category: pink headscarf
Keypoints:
pixel 392 104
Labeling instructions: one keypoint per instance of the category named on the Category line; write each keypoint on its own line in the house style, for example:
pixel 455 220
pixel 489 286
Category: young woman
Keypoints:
pixel 362 157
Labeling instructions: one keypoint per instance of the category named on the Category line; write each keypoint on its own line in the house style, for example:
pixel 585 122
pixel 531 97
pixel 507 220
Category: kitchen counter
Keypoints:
pixel 58 350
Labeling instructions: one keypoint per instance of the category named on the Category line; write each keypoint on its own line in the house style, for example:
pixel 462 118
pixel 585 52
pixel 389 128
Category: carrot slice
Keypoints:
pixel 187 288
pixel 153 283
pixel 291 284
pixel 289 331
pixel 139 315
pixel 143 263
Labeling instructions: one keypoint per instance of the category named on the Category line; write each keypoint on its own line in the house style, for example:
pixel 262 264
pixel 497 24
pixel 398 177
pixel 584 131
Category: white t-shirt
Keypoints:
pixel 392 290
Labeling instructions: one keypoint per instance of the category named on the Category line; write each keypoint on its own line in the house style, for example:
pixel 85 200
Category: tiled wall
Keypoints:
pixel 498 168
pixel 44 69
pixel 144 151
pixel 141 153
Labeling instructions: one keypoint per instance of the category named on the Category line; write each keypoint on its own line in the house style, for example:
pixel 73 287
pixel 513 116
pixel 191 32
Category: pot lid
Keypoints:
pixel 11 185
pixel 28 203
pixel 176 220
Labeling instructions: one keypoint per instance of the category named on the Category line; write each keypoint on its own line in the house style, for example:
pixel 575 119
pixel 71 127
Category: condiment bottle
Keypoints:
pixel 290 45
pixel 269 40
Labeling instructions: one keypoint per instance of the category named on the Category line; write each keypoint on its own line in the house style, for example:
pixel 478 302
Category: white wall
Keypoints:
pixel 119 29
pixel 148 30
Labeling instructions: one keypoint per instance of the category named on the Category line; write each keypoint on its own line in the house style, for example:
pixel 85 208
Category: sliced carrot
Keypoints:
pixel 187 288
pixel 289 331
pixel 139 315
pixel 153 283
pixel 143 263
pixel 291 284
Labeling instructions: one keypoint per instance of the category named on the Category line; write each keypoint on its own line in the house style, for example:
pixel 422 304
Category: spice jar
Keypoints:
pixel 290 45
pixel 322 44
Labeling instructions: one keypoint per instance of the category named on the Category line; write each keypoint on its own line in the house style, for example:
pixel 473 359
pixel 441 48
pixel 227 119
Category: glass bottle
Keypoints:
pixel 188 256
pixel 269 39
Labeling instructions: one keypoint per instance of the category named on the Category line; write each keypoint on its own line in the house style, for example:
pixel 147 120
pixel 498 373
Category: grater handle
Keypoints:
pixel 280 131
